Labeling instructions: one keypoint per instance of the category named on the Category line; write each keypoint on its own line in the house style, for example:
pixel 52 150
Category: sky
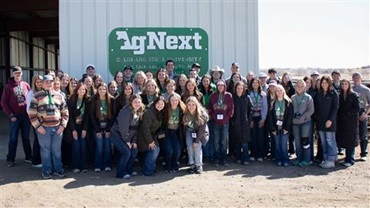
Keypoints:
pixel 314 33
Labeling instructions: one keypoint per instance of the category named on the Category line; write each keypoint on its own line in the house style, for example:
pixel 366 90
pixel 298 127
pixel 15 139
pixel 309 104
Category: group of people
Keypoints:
pixel 146 116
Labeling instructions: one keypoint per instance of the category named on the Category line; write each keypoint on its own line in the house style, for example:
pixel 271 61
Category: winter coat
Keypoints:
pixel 74 112
pixel 240 131
pixel 152 121
pixel 95 122
pixel 326 108
pixel 303 108
pixel 287 118
pixel 348 121
pixel 123 126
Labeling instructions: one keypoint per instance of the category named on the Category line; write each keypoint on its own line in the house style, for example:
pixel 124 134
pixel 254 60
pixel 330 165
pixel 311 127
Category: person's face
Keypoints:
pixel 150 87
pixel 190 86
pixel 140 79
pixel 299 87
pixel 113 89
pixel 317 82
pixel 272 75
pixel 90 71
pixel 38 84
pixel 119 78
pixel 102 91
pixel 64 81
pixel 308 84
pixel 174 102
pixel 255 85
pixel 170 66
pixel 74 84
pixel 149 75
pixel 159 105
pixel 272 88
pixel 221 87
pixel 286 79
pixel 356 79
pixel 335 77
pixel 170 87
pixel 234 69
pixel 216 75
pixel 128 73
pixel 314 77
pixel 182 82
pixel 59 74
pixel 206 82
pixel 345 86
pixel 325 85
pixel 263 80
pixel 136 104
pixel 57 86
pixel 161 76
pixel 88 82
pixel 193 74
pixel 236 78
pixel 98 81
pixel 17 75
pixel 81 91
pixel 128 90
pixel 279 92
pixel 191 106
pixel 239 90
pixel 47 85
pixel 250 76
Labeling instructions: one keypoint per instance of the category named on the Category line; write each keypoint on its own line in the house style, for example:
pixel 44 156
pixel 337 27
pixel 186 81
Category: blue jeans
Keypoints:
pixel 79 153
pixel 36 155
pixel 195 155
pixel 302 131
pixel 127 156
pixel 102 152
pixel 209 148
pixel 51 150
pixel 363 137
pixel 329 145
pixel 150 159
pixel 350 155
pixel 22 123
pixel 281 149
pixel 258 139
pixel 242 152
pixel 220 134
pixel 172 144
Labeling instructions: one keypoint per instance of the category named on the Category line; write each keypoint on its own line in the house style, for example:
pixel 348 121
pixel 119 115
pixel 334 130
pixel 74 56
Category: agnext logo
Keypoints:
pixel 158 41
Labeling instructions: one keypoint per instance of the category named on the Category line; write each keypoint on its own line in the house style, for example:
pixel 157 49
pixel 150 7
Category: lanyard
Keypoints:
pixel 50 101
pixel 221 98
pixel 256 97
pixel 19 90
pixel 175 115
pixel 103 107
pixel 280 105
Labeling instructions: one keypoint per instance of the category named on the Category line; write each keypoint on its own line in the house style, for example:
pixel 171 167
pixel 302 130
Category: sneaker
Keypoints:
pixel 46 176
pixel 304 163
pixel 328 164
pixel 134 173
pixel 199 171
pixel 11 164
pixel 127 176
pixel 279 163
pixel 260 159
pixel 97 170
pixel 60 174
pixel 28 161
pixel 363 158
pixel 347 164
pixel 252 159
pixel 245 163
pixel 84 171
pixel 107 169
pixel 76 170
pixel 37 166
pixel 191 169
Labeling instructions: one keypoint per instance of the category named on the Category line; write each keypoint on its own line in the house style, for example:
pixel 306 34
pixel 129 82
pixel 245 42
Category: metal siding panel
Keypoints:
pixel 228 31
pixel 128 14
pixel 113 15
pixel 205 22
pixel 101 40
pixel 167 14
pixel 88 33
pixel 215 36
pixel 64 38
pixel 154 13
pixel 141 14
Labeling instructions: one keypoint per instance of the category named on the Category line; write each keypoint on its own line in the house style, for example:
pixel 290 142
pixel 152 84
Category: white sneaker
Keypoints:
pixel 346 164
pixel 76 170
pixel 363 158
pixel 127 176
pixel 328 164
pixel 97 170
pixel 107 169
pixel 134 173
pixel 252 159
pixel 260 159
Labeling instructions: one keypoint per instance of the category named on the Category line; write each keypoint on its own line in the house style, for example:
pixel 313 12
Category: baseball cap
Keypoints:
pixel 47 78
pixel 128 68
pixel 16 69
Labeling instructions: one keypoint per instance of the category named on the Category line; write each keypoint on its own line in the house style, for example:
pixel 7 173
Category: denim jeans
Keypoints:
pixel 195 155
pixel 281 149
pixel 127 156
pixel 23 124
pixel 172 144
pixel 79 153
pixel 220 134
pixel 350 155
pixel 258 139
pixel 302 131
pixel 363 137
pixel 209 148
pixel 150 159
pixel 102 152
pixel 51 153
pixel 36 155
pixel 329 145
pixel 242 152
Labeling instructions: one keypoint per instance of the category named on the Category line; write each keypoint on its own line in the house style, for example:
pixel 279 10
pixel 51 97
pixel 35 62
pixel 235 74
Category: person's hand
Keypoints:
pixel 60 130
pixel 83 134
pixel 41 130
pixel 152 145
pixel 13 119
pixel 99 135
pixel 328 124
pixel 261 123
pixel 285 132
pixel 75 135
pixel 363 116
pixel 107 134
pixel 251 125
pixel 133 146
pixel 195 145
pixel 129 144
pixel 274 133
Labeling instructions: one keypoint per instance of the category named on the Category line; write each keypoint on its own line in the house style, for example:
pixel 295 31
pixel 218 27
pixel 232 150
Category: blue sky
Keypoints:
pixel 326 34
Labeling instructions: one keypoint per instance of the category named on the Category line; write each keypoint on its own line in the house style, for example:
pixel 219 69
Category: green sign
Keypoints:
pixel 149 48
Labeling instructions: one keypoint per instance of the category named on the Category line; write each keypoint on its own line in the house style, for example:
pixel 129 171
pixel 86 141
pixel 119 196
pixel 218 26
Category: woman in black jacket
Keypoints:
pixel 240 131
pixel 78 124
pixel 326 108
pixel 348 121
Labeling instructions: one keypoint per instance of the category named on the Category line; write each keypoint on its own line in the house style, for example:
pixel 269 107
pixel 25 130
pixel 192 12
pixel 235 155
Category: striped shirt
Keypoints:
pixel 49 109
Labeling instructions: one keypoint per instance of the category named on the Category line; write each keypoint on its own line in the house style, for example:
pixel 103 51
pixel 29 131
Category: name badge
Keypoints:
pixel 279 123
pixel 220 116
pixel 194 135
pixel 161 135
pixel 103 125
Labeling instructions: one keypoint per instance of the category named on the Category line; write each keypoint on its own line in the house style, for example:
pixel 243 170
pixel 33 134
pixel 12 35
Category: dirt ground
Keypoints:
pixel 261 184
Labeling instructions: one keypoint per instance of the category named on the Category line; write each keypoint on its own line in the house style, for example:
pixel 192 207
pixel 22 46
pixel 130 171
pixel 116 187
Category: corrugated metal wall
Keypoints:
pixel 84 26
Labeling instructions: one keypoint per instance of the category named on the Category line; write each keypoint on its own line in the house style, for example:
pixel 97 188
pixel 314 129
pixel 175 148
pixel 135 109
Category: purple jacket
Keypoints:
pixel 221 112
pixel 14 96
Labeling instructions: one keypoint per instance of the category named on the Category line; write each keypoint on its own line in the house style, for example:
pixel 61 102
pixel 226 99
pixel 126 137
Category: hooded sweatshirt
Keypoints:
pixel 14 96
